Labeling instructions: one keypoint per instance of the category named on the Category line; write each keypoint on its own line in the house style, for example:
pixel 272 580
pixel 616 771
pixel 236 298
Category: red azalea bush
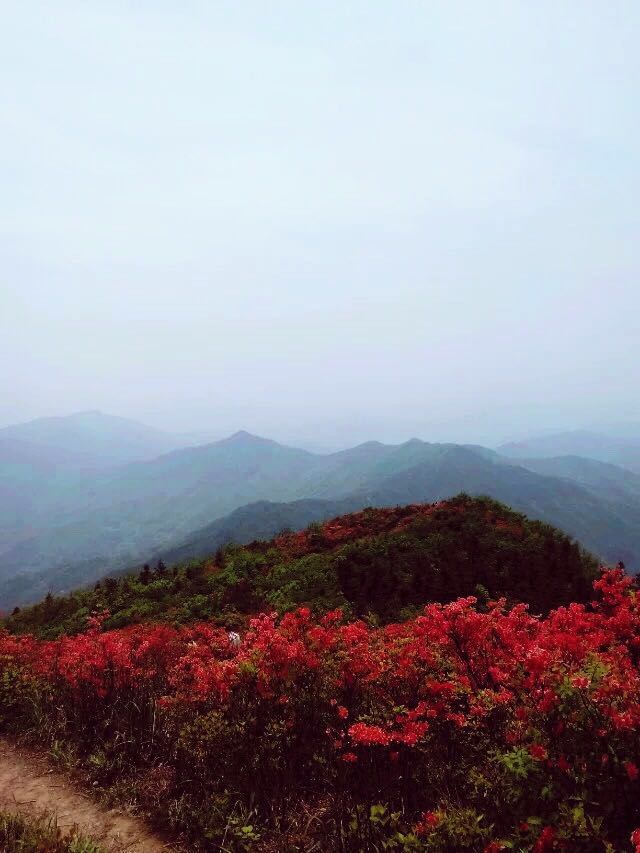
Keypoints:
pixel 456 730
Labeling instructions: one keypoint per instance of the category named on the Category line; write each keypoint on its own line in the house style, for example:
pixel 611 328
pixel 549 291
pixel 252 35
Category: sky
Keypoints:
pixel 323 222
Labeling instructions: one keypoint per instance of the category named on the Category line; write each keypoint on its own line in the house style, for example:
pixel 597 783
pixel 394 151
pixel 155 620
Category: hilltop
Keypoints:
pixel 382 564
pixel 64 523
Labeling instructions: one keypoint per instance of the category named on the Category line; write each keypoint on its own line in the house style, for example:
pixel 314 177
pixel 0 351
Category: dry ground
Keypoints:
pixel 29 786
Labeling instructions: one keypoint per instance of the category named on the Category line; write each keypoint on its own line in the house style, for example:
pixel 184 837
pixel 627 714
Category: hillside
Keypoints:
pixel 31 474
pixel 183 504
pixel 381 562
pixel 259 520
pixel 466 725
pixel 603 479
pixel 116 517
pixel 47 465
pixel 557 495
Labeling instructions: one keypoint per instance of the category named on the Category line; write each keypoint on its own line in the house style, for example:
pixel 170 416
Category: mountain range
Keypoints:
pixel 622 450
pixel 88 495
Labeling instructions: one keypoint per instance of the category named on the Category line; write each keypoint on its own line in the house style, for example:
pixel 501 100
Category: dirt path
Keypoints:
pixel 29 786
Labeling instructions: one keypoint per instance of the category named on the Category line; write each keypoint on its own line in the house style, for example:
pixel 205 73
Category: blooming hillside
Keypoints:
pixel 460 729
pixel 382 564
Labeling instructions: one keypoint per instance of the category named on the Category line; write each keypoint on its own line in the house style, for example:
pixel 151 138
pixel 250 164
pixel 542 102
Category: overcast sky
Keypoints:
pixel 321 221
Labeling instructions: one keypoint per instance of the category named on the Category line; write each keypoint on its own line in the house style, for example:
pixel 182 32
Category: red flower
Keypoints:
pixel 580 682
pixel 632 770
pixel 361 733
pixel 537 751
pixel 545 840
pixel 499 674
pixel 429 822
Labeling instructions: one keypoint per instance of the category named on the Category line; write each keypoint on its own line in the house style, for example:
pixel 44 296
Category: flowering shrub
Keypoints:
pixel 460 729
pixel 380 564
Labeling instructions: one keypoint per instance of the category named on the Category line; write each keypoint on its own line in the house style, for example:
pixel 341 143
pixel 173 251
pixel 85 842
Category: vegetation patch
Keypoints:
pixel 19 834
pixel 382 564
pixel 463 728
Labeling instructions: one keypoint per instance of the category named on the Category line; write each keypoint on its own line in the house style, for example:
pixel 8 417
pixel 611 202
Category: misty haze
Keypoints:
pixel 319 426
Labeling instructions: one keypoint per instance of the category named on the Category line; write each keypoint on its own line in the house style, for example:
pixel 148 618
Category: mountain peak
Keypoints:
pixel 247 439
pixel 101 438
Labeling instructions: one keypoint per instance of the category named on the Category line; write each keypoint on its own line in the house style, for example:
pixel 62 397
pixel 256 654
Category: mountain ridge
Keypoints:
pixel 376 561
pixel 622 451
pixel 447 470
pixel 82 527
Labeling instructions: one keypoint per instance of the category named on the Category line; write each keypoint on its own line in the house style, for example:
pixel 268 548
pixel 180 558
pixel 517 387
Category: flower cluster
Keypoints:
pixel 532 723
pixel 356 525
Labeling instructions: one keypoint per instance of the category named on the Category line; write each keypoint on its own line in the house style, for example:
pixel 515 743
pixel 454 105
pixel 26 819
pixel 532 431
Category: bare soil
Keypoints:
pixel 29 786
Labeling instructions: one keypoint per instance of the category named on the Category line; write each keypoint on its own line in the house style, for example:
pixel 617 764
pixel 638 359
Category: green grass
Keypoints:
pixel 40 835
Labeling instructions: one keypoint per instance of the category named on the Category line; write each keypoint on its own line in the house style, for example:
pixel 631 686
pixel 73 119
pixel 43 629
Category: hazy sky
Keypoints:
pixel 321 220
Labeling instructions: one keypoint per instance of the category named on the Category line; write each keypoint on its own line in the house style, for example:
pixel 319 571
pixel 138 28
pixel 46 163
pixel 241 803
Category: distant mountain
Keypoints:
pixel 601 478
pixel 117 515
pixel 605 521
pixel 43 464
pixel 29 475
pixel 617 450
pixel 99 440
pixel 120 514
pixel 610 530
pixel 189 502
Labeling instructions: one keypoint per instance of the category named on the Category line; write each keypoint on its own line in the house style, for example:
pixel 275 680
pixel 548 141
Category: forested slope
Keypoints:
pixel 379 563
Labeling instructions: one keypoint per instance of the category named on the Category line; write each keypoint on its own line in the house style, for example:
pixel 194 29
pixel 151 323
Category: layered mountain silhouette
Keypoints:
pixel 93 439
pixel 385 563
pixel 601 478
pixel 71 520
pixel 42 461
pixel 622 450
